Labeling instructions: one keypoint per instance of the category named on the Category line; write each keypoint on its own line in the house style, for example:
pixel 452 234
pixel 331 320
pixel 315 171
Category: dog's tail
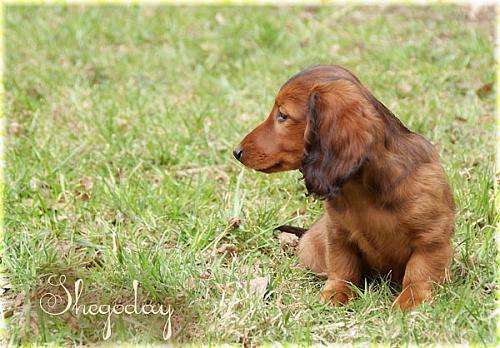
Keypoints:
pixel 298 231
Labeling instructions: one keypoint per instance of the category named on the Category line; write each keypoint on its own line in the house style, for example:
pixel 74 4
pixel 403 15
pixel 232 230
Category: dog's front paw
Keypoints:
pixel 412 296
pixel 336 293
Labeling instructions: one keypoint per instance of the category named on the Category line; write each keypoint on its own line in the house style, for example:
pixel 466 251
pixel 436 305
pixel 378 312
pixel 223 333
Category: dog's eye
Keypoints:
pixel 281 117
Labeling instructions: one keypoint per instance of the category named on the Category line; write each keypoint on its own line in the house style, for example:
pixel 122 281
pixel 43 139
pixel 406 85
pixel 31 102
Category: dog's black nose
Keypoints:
pixel 237 153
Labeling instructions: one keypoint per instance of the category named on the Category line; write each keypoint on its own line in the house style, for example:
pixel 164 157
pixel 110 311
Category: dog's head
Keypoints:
pixel 324 122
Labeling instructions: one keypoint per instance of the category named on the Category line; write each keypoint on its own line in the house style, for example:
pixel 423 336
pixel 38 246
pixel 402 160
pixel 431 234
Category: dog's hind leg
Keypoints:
pixel 312 247
pixel 312 244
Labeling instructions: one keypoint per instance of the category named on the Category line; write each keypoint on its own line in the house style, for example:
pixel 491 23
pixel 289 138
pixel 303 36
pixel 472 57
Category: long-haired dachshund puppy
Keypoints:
pixel 388 206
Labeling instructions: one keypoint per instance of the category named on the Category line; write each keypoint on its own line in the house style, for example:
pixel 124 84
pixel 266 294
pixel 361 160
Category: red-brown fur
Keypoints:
pixel 388 206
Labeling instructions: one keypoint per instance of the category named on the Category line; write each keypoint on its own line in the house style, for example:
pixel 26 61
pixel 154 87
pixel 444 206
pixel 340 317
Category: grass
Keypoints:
pixel 120 126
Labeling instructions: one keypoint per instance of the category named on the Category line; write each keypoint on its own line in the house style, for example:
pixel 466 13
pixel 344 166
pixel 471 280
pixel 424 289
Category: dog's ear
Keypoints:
pixel 338 136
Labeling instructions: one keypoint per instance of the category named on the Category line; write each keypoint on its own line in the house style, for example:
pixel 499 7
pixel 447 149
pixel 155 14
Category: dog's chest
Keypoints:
pixel 374 231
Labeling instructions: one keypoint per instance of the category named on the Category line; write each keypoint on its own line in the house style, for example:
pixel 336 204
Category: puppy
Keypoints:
pixel 388 206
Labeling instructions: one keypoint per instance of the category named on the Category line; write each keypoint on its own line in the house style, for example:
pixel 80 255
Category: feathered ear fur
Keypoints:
pixel 338 137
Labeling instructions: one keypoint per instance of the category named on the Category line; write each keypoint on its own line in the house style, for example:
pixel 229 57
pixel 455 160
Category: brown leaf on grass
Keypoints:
pixel 8 313
pixel 205 274
pixel 84 187
pixel 227 248
pixel 288 241
pixel 10 306
pixel 234 222
pixel 484 90
pixel 84 196
pixel 258 286
pixel 62 198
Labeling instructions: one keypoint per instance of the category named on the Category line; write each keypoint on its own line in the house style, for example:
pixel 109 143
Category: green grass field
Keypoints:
pixel 119 131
